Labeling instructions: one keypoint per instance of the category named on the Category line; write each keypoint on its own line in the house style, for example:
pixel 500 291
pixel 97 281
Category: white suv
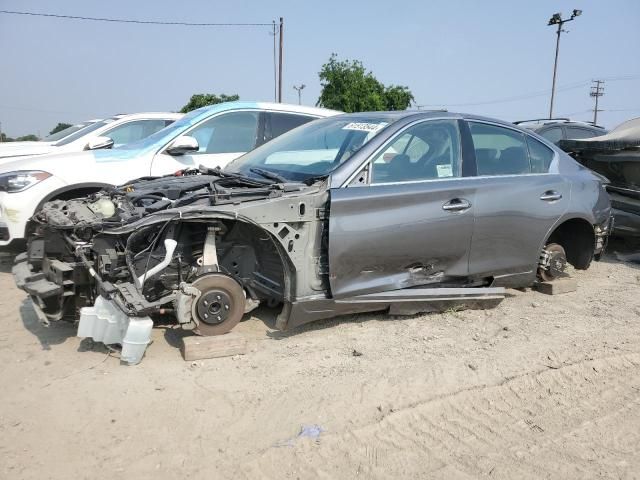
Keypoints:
pixel 92 135
pixel 210 136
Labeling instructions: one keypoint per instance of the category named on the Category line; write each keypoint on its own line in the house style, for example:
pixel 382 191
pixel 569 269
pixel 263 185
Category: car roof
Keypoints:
pixel 412 115
pixel 287 107
pixel 539 123
pixel 161 115
pixel 282 107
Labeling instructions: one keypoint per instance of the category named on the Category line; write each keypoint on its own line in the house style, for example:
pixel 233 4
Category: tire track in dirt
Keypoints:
pixel 549 423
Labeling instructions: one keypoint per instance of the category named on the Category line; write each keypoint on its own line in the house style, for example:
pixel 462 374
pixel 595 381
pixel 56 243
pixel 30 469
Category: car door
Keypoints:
pixel 221 139
pixel 520 196
pixel 406 218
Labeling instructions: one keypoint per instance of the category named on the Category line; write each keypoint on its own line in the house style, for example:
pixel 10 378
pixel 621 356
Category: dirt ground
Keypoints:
pixel 540 387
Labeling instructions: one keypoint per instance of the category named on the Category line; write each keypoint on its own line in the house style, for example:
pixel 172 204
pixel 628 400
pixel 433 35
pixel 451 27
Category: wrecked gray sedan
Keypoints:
pixel 396 212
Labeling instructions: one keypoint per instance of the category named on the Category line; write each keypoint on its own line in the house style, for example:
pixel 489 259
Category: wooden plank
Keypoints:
pixel 561 285
pixel 198 348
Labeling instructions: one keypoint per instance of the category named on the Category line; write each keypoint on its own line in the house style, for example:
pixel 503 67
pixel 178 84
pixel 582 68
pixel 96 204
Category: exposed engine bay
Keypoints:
pixel 206 266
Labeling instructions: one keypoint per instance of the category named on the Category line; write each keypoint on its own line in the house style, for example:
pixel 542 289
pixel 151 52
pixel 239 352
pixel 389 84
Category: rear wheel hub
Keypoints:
pixel 553 262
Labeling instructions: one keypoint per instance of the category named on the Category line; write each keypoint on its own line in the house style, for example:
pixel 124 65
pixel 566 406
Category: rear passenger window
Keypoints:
pixel 499 151
pixel 577 133
pixel 540 156
pixel 279 123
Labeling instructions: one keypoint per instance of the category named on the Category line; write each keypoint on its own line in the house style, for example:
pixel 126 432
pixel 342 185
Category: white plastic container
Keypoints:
pixel 106 323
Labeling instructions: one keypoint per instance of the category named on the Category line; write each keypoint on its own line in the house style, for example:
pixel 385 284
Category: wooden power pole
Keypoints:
pixel 597 91
pixel 280 61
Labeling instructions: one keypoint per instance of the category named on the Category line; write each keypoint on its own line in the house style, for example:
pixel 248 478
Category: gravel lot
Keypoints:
pixel 540 387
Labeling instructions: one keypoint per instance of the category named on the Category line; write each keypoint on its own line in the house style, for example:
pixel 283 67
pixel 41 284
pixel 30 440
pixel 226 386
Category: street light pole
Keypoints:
pixel 299 89
pixel 556 19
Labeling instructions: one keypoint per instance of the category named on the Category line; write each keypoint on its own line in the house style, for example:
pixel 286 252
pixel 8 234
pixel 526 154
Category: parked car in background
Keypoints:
pixel 557 129
pixel 210 136
pixel 46 141
pixel 615 155
pixel 92 135
pixel 397 211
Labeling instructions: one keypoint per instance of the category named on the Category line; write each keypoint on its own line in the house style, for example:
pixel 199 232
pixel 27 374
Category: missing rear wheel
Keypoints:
pixel 553 262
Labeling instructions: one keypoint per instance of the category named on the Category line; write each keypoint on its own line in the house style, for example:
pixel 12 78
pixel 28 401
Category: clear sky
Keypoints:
pixel 453 54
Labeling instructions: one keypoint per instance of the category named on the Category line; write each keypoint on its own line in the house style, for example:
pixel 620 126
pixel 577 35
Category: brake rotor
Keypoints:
pixel 556 263
pixel 220 306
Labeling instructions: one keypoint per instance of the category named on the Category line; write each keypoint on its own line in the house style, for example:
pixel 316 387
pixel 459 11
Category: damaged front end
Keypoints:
pixel 204 247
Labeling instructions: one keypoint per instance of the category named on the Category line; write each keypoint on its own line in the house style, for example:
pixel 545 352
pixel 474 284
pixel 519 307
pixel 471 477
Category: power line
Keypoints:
pixel 139 22
pixel 602 110
pixel 526 96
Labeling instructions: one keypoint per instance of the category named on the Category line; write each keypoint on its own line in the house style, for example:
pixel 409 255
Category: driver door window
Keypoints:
pixel 553 134
pixel 221 139
pixel 134 131
pixel 427 151
pixel 234 132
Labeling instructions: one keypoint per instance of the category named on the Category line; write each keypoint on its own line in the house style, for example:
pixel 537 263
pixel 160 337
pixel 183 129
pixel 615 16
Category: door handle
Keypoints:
pixel 456 205
pixel 550 196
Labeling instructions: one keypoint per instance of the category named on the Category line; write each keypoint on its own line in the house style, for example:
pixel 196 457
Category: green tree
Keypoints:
pixel 347 86
pixel 398 97
pixel 25 138
pixel 203 99
pixel 59 127
pixel 28 138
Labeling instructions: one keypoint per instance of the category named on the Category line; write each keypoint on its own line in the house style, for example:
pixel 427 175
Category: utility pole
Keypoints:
pixel 596 92
pixel 275 67
pixel 280 60
pixel 556 19
pixel 299 89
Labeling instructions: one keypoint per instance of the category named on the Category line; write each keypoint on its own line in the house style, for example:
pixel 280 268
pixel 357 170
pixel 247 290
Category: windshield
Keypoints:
pixel 82 132
pixel 312 150
pixel 166 134
pixel 63 133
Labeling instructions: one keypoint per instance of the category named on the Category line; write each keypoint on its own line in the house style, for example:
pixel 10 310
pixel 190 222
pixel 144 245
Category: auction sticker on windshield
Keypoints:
pixel 364 127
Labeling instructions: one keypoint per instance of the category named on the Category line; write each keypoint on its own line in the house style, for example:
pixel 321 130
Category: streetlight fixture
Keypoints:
pixel 556 19
pixel 299 89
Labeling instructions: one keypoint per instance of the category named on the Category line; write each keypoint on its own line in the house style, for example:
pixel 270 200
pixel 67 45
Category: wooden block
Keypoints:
pixel 198 348
pixel 561 285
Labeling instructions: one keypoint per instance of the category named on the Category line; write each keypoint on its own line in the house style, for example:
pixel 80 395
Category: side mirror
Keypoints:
pixel 183 144
pixel 99 143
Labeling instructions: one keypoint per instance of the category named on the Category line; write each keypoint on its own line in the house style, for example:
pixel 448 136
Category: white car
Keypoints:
pixel 91 135
pixel 210 136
